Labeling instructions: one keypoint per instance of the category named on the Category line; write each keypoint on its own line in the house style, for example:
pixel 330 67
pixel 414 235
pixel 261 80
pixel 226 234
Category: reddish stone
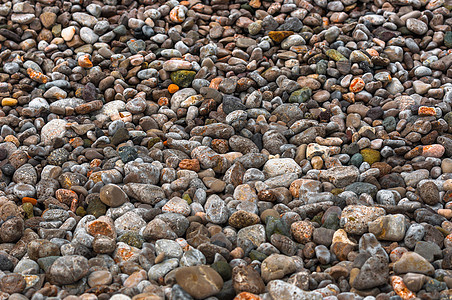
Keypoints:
pixel 103 225
pixel 190 164
pixel 37 76
pixel 86 108
pixel 279 36
pixel 302 231
pixel 424 111
pixel 66 196
pixel 357 85
pixel 400 288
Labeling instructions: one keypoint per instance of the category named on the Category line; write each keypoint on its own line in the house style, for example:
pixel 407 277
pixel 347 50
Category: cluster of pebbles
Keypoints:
pixel 271 150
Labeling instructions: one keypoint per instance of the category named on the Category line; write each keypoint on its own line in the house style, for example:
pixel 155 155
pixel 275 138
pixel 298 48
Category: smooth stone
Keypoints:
pixel 199 281
pixel 411 262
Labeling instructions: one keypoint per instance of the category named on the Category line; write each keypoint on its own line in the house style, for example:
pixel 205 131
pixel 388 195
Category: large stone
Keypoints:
pixel 68 269
pixel 112 195
pixel 354 218
pixel 416 26
pixel 340 176
pixel 429 193
pixel 199 281
pixel 279 166
pixel 52 130
pixel 411 262
pixel 373 273
pixel 388 228
pixel 145 193
pixel 276 266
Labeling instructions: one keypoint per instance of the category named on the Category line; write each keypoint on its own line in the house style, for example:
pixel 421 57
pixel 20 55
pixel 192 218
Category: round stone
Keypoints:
pixel 112 195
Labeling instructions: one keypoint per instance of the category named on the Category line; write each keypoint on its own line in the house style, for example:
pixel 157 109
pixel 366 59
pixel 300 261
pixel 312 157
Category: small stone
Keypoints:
pixel 136 46
pixel 335 55
pixel 52 130
pixel 99 278
pixel 448 39
pixel 242 218
pixel 420 87
pixel 9 102
pixel 435 150
pixel 302 231
pixel 301 95
pixel 340 176
pixel 428 250
pixel 279 289
pixel 400 288
pixel 68 33
pixel 88 35
pixel 275 167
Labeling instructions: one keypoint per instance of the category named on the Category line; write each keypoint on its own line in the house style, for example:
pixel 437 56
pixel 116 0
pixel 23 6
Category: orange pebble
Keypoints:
pixel 215 83
pixel 247 296
pixel 84 61
pixel 426 111
pixel 357 85
pixel 183 243
pixel 163 101
pixel 201 214
pixel 12 139
pixel 37 76
pixel 177 15
pixel 172 88
pixel 372 52
pixel 400 288
pixel 95 163
pixel 190 164
pixel 29 200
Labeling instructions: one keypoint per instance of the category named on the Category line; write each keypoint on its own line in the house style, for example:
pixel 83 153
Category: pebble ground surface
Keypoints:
pixel 215 149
